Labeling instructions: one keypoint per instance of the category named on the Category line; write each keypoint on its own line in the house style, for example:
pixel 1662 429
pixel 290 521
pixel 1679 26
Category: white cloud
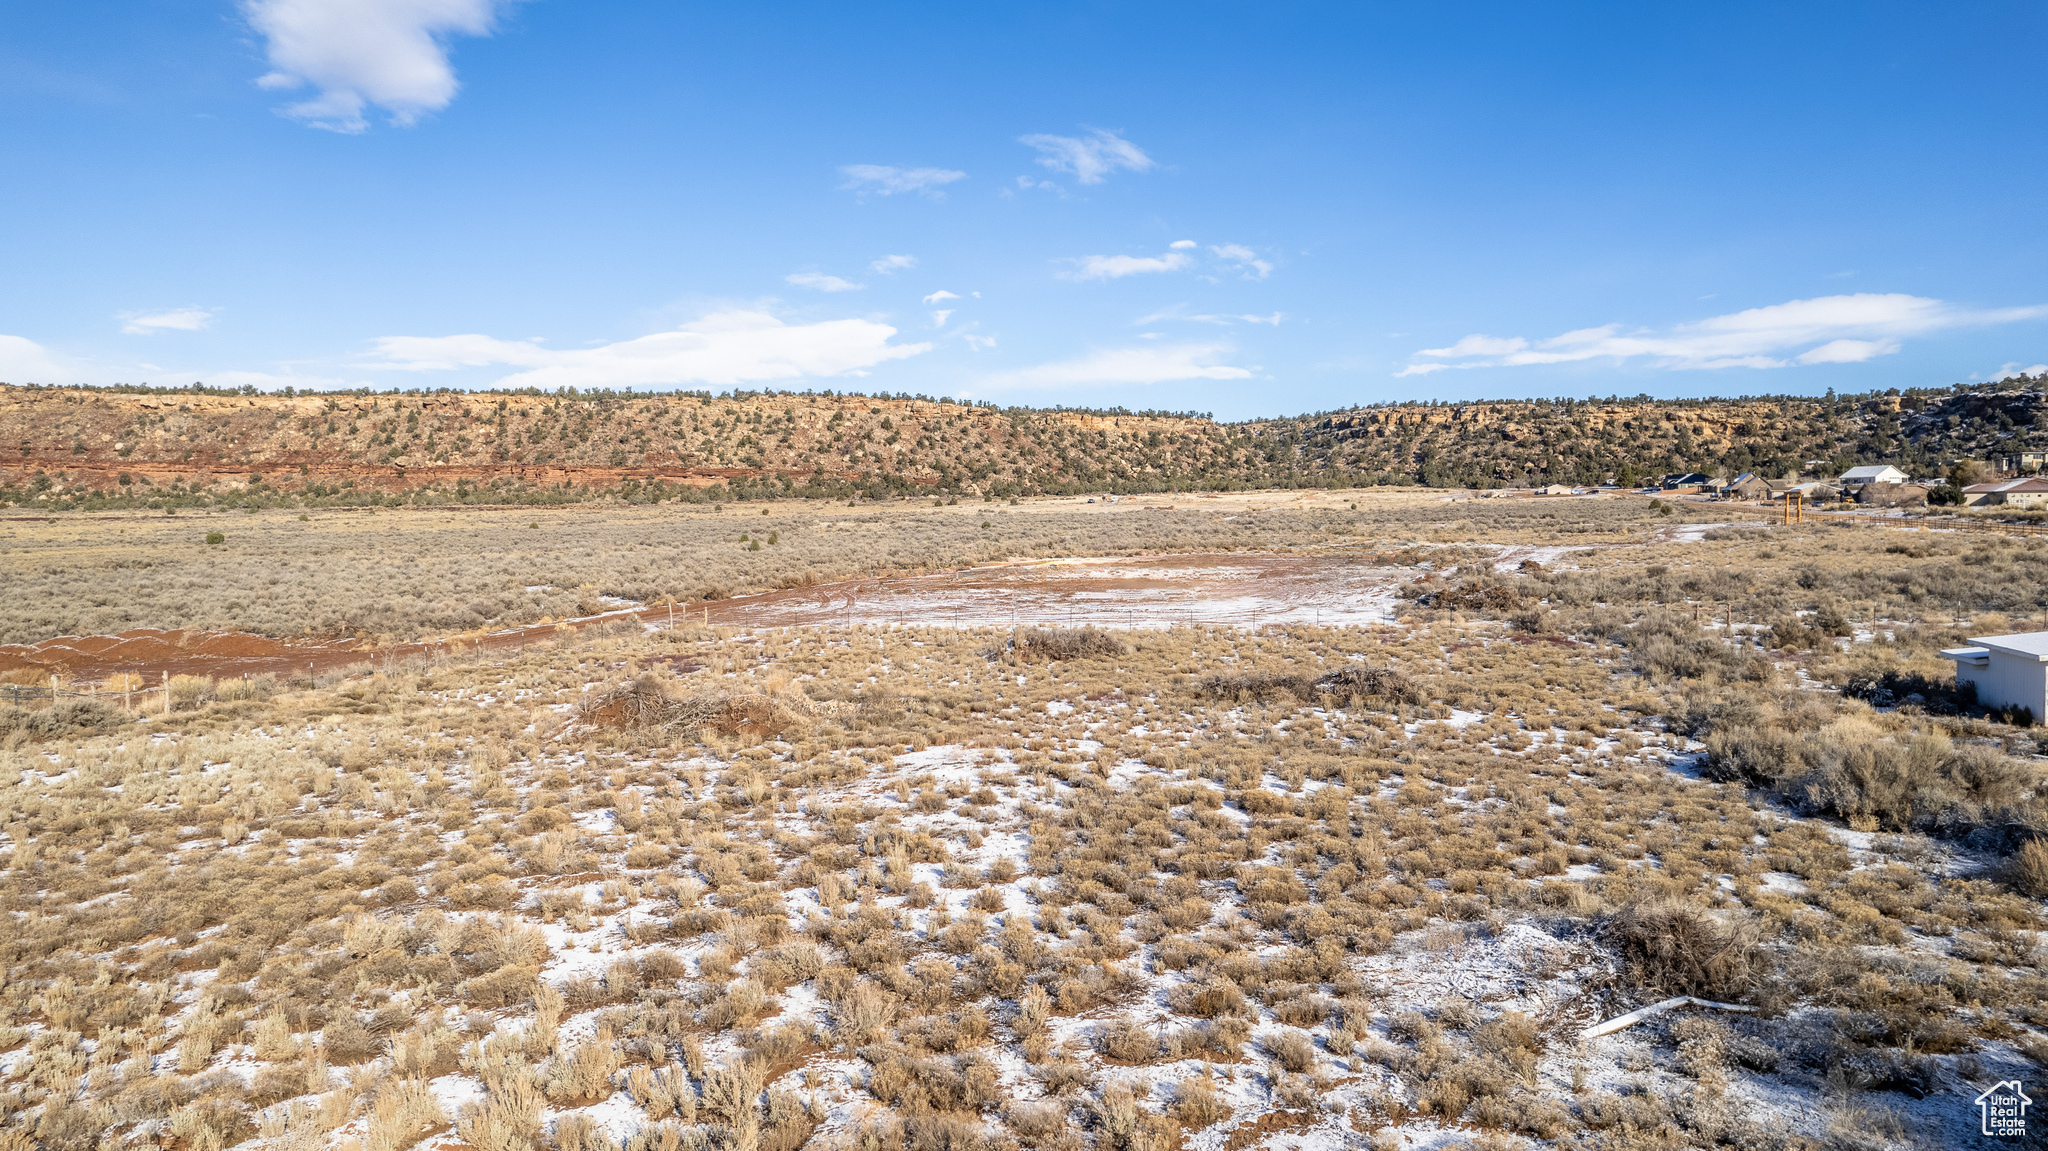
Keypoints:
pixel 1847 351
pixel 723 348
pixel 1089 158
pixel 174 320
pixel 939 317
pixel 2013 369
pixel 23 361
pixel 822 282
pixel 976 343
pixel 941 294
pixel 1420 370
pixel 1246 260
pixel 886 181
pixel 890 265
pixel 1027 183
pixel 1846 329
pixel 1177 313
pixel 1177 245
pixel 1117 267
pixel 356 53
pixel 1143 365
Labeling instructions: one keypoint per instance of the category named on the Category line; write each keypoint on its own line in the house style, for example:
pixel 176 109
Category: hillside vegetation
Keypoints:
pixel 113 447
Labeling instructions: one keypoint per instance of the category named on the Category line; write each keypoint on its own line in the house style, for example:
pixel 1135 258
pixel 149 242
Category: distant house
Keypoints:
pixel 1813 491
pixel 1557 490
pixel 1747 486
pixel 1874 474
pixel 2026 493
pixel 1679 481
pixel 2008 670
pixel 2023 462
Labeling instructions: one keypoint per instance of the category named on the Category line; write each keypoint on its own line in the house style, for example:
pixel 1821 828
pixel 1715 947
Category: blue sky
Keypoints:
pixel 1246 209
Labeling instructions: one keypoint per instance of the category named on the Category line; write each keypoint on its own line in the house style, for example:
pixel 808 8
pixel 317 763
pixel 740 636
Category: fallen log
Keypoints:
pixel 1621 1022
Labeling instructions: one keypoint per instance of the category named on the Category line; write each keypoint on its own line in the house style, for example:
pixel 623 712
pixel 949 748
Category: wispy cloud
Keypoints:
pixel 940 316
pixel 1141 365
pixel 886 181
pixel 1244 260
pixel 1180 312
pixel 890 265
pixel 1825 330
pixel 1117 267
pixel 730 347
pixel 2014 369
pixel 941 294
pixel 356 53
pixel 172 320
pixel 1091 158
pixel 822 282
pixel 274 381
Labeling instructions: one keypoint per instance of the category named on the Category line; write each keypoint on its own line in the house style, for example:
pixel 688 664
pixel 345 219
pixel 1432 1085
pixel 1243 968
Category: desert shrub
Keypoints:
pixel 404 1111
pixel 576 1131
pixel 1685 949
pixel 1791 634
pixel 1381 683
pixel 2027 869
pixel 583 1074
pixel 1196 1103
pixel 1208 999
pixel 1886 687
pixel 1753 755
pixel 730 1091
pixel 1035 1123
pixel 1127 1041
pixel 1293 1049
pixel 936 1132
pixel 1922 782
pixel 62 719
pixel 1483 594
pixel 1663 658
pixel 1068 643
pixel 1298 1010
pixel 1239 687
pixel 345 1040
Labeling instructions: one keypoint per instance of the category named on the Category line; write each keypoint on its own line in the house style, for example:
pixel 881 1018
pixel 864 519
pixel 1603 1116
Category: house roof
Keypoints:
pixel 1871 472
pixel 2026 645
pixel 2030 484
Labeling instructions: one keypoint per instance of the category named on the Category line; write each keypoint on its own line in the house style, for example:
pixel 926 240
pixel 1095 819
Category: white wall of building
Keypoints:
pixel 2009 681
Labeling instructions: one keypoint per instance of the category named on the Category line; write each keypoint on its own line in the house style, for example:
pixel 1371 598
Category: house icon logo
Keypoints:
pixel 2004 1107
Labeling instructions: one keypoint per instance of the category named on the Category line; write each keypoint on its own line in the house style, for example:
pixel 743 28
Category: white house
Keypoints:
pixel 1874 474
pixel 2009 670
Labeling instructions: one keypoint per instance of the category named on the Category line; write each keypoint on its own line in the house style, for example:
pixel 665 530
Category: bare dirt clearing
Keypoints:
pixel 1142 591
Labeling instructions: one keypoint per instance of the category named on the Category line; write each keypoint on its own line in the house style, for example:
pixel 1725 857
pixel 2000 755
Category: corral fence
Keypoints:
pixel 1938 523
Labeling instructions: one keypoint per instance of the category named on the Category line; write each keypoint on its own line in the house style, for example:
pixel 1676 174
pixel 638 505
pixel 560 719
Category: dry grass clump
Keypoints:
pixel 644 704
pixel 1067 643
pixel 1685 949
pixel 1352 683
